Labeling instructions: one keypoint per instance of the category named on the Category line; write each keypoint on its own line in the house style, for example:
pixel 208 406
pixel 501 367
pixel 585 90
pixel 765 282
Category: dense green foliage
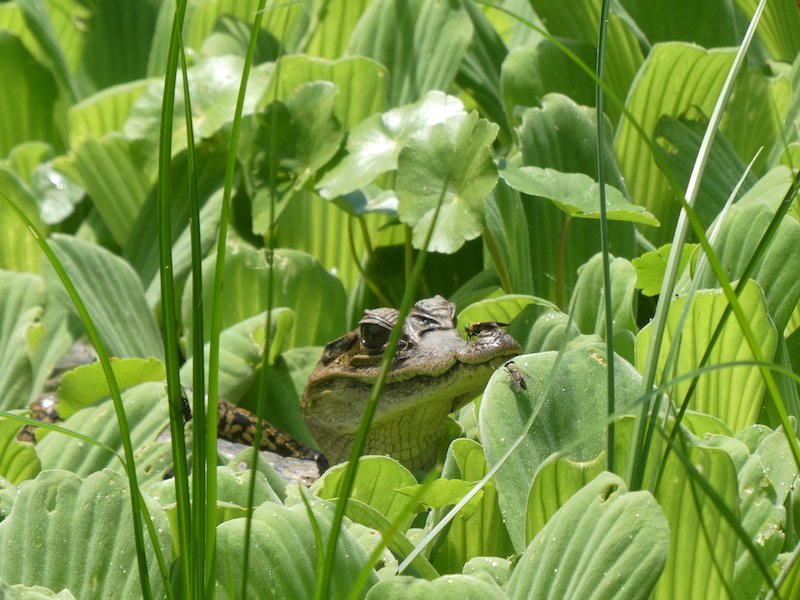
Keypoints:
pixel 371 133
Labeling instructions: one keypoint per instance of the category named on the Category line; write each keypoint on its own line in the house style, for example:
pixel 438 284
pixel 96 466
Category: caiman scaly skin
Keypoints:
pixel 434 372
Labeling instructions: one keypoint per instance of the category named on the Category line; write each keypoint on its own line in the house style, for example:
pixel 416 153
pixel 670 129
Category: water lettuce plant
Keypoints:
pixel 205 193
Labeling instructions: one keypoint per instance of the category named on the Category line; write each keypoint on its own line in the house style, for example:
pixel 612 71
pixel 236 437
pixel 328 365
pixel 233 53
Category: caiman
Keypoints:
pixel 434 372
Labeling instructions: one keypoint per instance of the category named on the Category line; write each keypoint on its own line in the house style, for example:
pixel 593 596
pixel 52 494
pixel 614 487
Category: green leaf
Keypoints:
pixel 651 266
pixel 301 284
pixel 758 112
pixel 733 394
pixel 479 530
pixel 531 72
pixel 18 460
pixel 570 419
pixel 18 249
pixel 283 558
pixel 556 481
pixel 740 234
pixel 589 302
pixel 702 545
pixel 21 300
pixel 576 194
pixel 213 87
pixel 334 28
pixel 91 519
pixel 240 351
pixel 679 142
pixel 27 98
pixel 420 42
pixel 451 160
pixel 561 135
pixel 763 513
pixel 86 384
pixel 374 145
pixel 379 480
pixel 114 24
pixel 103 112
pixel 113 296
pixel 711 25
pixel 351 75
pixel 605 542
pixel 296 139
pixel 147 415
pixel 109 171
pixel 778 29
pixel 624 54
pixel 675 77
pixel 449 587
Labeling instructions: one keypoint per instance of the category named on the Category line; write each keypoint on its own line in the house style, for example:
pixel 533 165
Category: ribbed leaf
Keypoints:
pixel 779 28
pixel 482 531
pixel 711 24
pixel 333 30
pixel 679 141
pixel 300 284
pixel 421 43
pixel 108 170
pixel 377 481
pixel 741 233
pixel 18 248
pixel 734 395
pixel 116 24
pixel 589 303
pixel 605 542
pixel 18 460
pixel 556 481
pixel 758 113
pixel 103 112
pixel 283 559
pixel 702 545
pixel 577 20
pixel 89 521
pixel 570 418
pixel 449 587
pixel 675 78
pixel 27 97
pixel 21 300
pixel 352 75
pixel 113 296
pixel 147 414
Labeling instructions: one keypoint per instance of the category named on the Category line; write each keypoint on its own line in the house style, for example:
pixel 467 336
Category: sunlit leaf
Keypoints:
pixel 675 77
pixel 733 394
pixel 375 144
pixel 452 161
pixel 576 194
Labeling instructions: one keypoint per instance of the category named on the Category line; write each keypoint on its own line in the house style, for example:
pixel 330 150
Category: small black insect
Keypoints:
pixel 187 409
pixel 517 377
pixel 473 329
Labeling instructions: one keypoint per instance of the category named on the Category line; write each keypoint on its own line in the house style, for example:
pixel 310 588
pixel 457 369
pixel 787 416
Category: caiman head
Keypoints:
pixel 434 372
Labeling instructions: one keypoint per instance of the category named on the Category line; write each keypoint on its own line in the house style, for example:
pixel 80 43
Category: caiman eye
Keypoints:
pixel 373 336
